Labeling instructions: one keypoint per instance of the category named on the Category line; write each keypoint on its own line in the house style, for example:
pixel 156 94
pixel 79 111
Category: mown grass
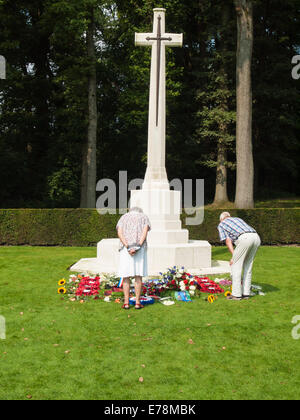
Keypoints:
pixel 56 349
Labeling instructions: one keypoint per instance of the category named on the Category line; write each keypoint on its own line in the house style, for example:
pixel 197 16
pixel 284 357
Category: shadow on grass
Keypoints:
pixel 219 251
pixel 268 288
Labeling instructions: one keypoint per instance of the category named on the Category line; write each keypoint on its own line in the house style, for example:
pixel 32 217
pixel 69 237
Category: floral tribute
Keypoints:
pixel 88 286
pixel 83 287
pixel 177 279
pixel 208 286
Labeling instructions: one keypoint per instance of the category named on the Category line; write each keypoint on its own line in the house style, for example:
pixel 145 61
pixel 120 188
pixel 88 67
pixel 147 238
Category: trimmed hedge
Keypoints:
pixel 275 226
pixel 84 227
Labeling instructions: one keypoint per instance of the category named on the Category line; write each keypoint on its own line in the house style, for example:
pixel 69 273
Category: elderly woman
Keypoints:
pixel 133 228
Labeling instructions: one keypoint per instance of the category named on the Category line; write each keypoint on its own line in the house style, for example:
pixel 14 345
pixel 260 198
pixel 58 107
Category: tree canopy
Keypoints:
pixel 44 100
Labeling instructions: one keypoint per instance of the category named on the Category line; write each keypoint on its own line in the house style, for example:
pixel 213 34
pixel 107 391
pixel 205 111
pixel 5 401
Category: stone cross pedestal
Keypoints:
pixel 168 243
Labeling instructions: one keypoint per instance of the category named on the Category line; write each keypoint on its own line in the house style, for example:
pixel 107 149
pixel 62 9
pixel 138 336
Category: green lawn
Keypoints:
pixel 240 350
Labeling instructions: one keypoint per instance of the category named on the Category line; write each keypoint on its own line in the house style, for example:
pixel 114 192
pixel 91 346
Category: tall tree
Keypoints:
pixel 244 155
pixel 89 158
pixel 216 101
pixel 224 139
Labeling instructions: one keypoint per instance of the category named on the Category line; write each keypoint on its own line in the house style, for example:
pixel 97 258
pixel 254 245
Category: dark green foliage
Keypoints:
pixel 43 105
pixel 81 227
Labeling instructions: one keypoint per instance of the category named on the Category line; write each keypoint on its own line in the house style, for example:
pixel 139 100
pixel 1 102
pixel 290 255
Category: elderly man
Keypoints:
pixel 234 231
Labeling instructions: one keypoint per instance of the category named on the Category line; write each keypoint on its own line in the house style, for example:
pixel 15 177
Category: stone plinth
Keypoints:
pixel 195 256
pixel 163 209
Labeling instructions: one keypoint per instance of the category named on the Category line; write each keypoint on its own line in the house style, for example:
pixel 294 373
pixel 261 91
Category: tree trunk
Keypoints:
pixel 244 154
pixel 221 176
pixel 221 171
pixel 89 162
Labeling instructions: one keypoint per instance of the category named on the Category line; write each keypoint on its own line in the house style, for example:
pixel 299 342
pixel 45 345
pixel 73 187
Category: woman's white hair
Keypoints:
pixel 137 209
pixel 224 215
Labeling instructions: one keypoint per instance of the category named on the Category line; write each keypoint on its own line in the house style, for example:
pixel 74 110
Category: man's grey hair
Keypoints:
pixel 137 209
pixel 224 215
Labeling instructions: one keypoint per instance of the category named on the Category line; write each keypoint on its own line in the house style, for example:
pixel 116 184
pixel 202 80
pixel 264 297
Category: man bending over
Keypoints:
pixel 235 232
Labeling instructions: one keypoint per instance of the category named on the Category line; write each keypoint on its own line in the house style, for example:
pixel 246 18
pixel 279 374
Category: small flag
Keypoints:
pixel 120 283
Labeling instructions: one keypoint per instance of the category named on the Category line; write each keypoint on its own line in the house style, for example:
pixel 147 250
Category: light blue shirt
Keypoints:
pixel 232 228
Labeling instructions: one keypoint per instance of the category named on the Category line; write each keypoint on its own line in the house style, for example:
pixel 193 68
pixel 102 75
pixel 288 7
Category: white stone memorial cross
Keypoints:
pixel 168 243
pixel 156 175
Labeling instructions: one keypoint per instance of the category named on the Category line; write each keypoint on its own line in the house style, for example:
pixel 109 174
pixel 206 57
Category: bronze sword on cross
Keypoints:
pixel 159 39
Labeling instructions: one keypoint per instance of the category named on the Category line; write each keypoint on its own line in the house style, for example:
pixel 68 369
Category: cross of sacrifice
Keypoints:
pixel 2 67
pixel 158 41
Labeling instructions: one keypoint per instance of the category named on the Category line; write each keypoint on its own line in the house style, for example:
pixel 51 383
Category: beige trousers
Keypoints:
pixel 243 257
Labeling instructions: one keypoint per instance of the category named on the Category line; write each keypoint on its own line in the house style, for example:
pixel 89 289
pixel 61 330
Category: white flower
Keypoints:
pixel 178 275
pixel 193 288
pixel 192 293
pixel 168 303
pixel 182 288
pixel 181 284
pixel 181 271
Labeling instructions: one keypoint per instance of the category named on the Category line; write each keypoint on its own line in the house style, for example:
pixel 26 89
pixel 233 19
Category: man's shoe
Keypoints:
pixel 231 297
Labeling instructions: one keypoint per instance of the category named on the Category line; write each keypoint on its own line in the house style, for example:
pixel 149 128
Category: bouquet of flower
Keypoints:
pixel 80 286
pixel 177 279
pixel 109 281
pixel 154 287
pixel 223 282
pixel 207 286
pixel 88 286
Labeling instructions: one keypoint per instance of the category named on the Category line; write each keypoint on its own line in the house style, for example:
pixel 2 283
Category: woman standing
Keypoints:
pixel 132 230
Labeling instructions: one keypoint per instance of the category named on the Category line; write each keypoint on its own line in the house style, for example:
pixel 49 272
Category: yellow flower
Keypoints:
pixel 211 299
pixel 62 282
pixel 62 291
pixel 227 294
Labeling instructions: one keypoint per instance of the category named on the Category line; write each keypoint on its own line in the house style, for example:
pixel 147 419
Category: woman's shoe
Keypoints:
pixel 139 306
pixel 126 306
